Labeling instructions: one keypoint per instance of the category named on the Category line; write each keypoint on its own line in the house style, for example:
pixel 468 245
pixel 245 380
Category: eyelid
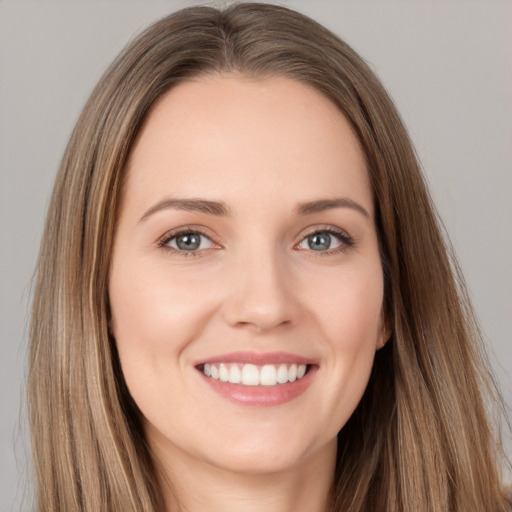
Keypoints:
pixel 181 230
pixel 346 240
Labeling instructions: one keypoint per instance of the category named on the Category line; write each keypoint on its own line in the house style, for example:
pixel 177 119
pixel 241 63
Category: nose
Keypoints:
pixel 262 294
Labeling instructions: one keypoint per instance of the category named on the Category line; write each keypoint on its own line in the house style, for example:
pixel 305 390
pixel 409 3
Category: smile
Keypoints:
pixel 256 379
pixel 254 375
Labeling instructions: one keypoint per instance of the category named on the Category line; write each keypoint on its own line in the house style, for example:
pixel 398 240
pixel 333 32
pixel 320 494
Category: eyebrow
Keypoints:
pixel 219 208
pixel 192 205
pixel 322 205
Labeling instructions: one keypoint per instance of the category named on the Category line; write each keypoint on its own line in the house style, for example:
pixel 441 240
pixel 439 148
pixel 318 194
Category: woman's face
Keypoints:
pixel 246 286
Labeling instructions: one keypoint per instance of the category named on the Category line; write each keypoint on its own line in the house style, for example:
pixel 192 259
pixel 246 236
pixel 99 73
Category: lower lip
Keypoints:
pixel 261 396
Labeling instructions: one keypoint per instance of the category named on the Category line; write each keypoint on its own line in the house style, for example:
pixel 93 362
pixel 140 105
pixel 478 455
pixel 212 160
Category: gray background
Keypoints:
pixel 447 64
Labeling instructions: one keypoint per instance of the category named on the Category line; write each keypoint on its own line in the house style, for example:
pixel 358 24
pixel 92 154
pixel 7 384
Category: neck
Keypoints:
pixel 194 486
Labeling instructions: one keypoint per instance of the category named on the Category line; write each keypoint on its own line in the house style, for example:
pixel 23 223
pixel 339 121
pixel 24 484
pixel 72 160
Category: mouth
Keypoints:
pixel 248 374
pixel 258 379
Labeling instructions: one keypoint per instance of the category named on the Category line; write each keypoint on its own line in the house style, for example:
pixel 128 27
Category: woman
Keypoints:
pixel 244 301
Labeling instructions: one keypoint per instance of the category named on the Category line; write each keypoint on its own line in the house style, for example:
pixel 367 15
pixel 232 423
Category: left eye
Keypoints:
pixel 321 241
pixel 189 241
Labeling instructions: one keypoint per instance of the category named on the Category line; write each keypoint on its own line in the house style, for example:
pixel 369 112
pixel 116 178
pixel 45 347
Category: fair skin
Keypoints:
pixel 247 171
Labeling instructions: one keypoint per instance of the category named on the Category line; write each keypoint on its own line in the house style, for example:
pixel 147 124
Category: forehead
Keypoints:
pixel 226 135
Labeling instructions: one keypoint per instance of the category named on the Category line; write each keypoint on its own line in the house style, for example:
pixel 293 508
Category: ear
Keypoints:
pixel 385 330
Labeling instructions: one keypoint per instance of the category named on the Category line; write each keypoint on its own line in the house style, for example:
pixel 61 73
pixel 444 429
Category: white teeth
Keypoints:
pixel 282 374
pixel 223 373
pixel 292 373
pixel 252 375
pixel 268 376
pixel 235 374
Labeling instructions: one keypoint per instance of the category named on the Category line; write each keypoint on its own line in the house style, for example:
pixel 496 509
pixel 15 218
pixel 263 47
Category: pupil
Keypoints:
pixel 188 242
pixel 319 242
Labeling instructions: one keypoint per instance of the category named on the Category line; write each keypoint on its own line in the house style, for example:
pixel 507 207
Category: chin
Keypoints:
pixel 271 454
pixel 259 462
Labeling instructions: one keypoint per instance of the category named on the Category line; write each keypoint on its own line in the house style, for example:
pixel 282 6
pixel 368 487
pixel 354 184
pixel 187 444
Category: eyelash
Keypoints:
pixel 347 242
pixel 162 243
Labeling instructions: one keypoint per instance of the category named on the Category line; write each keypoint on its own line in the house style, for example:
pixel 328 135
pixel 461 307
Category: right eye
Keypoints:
pixel 188 241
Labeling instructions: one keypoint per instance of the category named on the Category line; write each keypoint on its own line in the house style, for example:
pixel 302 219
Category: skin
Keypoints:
pixel 261 147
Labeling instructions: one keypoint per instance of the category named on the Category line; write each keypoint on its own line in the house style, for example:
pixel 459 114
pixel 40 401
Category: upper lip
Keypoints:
pixel 257 358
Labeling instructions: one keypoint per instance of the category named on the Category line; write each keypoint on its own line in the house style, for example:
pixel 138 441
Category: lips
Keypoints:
pixel 258 379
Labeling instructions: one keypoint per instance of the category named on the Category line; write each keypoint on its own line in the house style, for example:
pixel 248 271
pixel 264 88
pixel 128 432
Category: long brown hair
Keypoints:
pixel 419 440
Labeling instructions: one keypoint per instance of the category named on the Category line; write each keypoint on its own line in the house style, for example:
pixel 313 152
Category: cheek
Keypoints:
pixel 151 301
pixel 351 323
pixel 152 319
pixel 348 306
